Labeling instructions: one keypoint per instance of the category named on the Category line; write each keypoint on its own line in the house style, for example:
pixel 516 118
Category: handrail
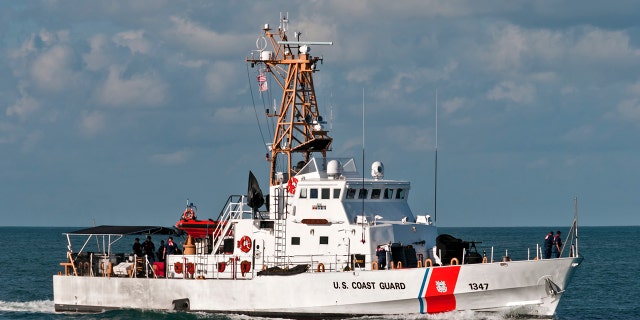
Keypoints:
pixel 231 210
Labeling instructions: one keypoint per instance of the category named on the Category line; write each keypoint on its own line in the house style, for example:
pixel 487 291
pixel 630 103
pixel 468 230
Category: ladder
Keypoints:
pixel 280 227
pixel 202 257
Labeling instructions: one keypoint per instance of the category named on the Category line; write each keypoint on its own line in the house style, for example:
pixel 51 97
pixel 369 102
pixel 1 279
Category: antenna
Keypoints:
pixel 362 190
pixel 435 187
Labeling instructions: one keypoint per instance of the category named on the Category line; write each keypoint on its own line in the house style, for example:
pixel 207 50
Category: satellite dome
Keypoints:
pixel 334 168
pixel 377 170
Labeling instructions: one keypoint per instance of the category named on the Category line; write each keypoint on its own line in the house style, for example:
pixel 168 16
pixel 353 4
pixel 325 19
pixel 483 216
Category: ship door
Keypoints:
pixel 397 254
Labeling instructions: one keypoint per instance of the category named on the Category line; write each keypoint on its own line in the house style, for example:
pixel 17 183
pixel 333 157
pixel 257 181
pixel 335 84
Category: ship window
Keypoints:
pixel 295 241
pixel 362 194
pixel 324 240
pixel 400 194
pixel 351 193
pixel 375 194
pixel 336 193
pixel 326 193
pixel 303 193
pixel 388 193
pixel 313 193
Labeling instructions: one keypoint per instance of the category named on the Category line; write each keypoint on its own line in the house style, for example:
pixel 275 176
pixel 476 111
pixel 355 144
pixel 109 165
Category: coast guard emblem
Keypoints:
pixel 441 286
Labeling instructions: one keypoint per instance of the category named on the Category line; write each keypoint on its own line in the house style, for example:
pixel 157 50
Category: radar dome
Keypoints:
pixel 377 170
pixel 334 168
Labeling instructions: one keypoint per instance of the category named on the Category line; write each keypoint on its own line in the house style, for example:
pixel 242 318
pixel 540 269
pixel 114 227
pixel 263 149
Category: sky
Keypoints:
pixel 117 112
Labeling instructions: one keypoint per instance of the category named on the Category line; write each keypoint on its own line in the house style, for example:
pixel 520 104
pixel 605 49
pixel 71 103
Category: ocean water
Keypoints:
pixel 606 286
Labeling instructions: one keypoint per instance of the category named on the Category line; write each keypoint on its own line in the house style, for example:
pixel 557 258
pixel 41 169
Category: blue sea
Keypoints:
pixel 606 285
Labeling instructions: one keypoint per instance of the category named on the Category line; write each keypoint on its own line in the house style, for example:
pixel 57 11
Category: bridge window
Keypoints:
pixel 324 240
pixel 400 194
pixel 362 194
pixel 295 241
pixel 375 194
pixel 336 193
pixel 326 193
pixel 388 193
pixel 351 193
pixel 313 193
pixel 303 193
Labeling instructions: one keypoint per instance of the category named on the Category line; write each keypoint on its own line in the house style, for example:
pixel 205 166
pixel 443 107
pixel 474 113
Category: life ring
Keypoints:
pixel 191 268
pixel 374 265
pixel 428 262
pixel 245 244
pixel 399 265
pixel 292 184
pixel 221 266
pixel 454 262
pixel 245 267
pixel 320 267
pixel 188 214
pixel 177 267
pixel 485 260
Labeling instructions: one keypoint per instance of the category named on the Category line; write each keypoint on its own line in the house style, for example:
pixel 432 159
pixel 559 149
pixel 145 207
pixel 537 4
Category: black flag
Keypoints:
pixel 255 199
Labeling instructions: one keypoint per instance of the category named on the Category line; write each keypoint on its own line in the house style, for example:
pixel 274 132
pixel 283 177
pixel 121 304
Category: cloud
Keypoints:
pixel 25 106
pixel 91 123
pixel 52 69
pixel 133 40
pixel 200 39
pixel 97 59
pixel 451 105
pixel 170 159
pixel 138 90
pixel 508 90
pixel 220 79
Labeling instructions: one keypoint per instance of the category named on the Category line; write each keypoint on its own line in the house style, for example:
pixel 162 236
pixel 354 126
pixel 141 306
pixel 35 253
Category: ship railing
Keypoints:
pixel 219 266
pixel 234 208
pixel 324 263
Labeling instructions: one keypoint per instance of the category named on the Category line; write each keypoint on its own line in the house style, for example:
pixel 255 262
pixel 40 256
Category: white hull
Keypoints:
pixel 517 287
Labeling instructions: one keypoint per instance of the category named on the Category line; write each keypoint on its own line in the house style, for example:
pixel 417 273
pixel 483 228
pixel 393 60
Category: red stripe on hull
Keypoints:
pixel 439 295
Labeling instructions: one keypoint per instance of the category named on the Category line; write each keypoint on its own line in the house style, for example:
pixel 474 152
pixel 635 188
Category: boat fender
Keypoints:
pixel 320 267
pixel 222 266
pixel 292 184
pixel 454 262
pixel 191 268
pixel 374 265
pixel 245 267
pixel 428 262
pixel 177 267
pixel 245 244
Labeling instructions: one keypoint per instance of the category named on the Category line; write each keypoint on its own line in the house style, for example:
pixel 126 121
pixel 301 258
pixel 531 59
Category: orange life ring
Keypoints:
pixel 374 265
pixel 454 262
pixel 292 184
pixel 177 267
pixel 221 266
pixel 188 214
pixel 245 244
pixel 191 268
pixel 320 267
pixel 245 267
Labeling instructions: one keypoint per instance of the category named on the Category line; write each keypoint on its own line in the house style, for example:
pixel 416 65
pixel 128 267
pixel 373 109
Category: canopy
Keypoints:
pixel 125 230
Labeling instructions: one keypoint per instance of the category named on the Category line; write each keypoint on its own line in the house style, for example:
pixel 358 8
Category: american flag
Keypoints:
pixel 262 82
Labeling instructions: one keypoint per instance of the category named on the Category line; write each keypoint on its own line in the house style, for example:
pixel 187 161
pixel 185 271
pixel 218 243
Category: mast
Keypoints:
pixel 299 128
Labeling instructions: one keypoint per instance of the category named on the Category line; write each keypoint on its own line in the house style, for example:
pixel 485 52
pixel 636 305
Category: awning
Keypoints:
pixel 125 230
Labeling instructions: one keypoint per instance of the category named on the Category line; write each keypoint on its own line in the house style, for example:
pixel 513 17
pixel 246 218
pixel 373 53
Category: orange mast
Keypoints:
pixel 299 128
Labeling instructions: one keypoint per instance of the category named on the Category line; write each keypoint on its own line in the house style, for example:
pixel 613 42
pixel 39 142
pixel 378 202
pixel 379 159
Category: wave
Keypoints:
pixel 37 306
